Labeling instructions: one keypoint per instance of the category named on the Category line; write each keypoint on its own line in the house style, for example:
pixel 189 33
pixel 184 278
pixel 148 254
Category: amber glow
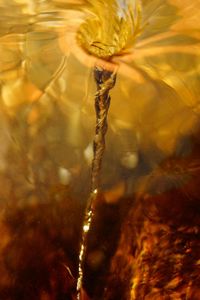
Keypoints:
pixel 144 239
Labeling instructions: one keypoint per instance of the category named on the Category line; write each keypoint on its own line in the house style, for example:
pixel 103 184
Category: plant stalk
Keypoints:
pixel 105 81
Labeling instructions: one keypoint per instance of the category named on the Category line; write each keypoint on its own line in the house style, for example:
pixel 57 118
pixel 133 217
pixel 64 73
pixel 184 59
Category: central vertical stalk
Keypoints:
pixel 105 81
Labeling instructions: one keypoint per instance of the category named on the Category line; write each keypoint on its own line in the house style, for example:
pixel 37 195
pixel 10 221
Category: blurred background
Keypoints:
pixel 145 235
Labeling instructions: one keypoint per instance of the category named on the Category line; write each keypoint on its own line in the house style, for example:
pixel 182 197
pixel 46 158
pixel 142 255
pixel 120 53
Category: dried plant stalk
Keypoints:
pixel 105 81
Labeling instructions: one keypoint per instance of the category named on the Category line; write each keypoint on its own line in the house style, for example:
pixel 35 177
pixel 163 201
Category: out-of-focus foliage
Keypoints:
pixel 157 256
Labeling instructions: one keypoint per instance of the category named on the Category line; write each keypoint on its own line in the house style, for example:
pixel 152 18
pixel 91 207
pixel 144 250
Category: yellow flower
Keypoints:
pixel 110 28
pixel 121 31
pixel 158 60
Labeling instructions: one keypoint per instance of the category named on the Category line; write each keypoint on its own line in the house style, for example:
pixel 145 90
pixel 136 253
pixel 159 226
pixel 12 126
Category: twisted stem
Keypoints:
pixel 105 80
